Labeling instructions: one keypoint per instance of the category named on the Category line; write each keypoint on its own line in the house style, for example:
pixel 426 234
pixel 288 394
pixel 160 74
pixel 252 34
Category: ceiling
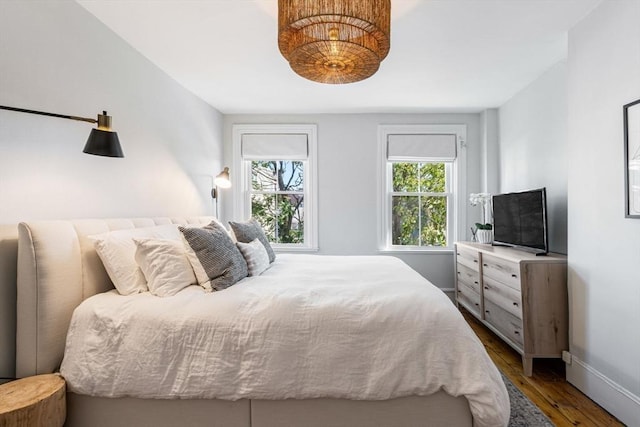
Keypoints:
pixel 446 55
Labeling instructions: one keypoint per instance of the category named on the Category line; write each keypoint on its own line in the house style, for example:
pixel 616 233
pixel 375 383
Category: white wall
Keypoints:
pixel 490 152
pixel 56 57
pixel 604 247
pixel 348 167
pixel 533 147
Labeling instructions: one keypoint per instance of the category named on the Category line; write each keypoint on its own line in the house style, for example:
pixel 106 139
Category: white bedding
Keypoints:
pixel 365 328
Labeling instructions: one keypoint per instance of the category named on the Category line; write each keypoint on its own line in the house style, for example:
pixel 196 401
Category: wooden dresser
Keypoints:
pixel 518 295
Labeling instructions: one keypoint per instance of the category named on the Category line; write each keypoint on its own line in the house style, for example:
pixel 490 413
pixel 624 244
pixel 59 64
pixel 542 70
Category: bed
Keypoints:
pixel 317 385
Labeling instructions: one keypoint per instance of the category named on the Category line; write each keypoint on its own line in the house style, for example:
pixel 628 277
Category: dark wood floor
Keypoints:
pixel 547 388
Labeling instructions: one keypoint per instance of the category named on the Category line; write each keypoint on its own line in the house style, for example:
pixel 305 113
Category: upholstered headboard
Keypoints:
pixel 57 269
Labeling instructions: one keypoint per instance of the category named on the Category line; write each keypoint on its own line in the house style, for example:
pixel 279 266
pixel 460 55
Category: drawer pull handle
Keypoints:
pixel 475 281
pixel 475 260
pixel 476 304
pixel 485 265
pixel 457 253
pixel 514 276
pixel 515 303
pixel 516 332
pixel 486 311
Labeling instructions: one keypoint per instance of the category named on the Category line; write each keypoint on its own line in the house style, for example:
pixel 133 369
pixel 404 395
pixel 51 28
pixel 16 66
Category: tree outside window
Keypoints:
pixel 419 202
pixel 277 199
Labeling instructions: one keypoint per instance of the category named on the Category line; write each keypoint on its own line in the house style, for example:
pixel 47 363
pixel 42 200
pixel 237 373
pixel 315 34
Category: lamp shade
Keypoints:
pixel 222 179
pixel 103 143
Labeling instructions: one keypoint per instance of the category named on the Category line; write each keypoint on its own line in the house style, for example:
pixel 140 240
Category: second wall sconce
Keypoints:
pixel 102 141
pixel 222 180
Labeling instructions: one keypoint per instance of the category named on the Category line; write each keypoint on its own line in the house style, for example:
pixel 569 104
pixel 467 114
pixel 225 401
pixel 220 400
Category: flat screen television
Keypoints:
pixel 520 220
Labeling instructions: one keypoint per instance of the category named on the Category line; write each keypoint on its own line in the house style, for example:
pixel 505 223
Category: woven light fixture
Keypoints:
pixel 334 41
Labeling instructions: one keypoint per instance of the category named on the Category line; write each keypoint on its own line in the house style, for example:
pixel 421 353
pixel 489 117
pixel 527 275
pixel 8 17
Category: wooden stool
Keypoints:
pixel 33 402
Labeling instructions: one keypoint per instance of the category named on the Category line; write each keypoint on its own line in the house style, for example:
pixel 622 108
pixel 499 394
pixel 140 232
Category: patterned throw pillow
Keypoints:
pixel 256 256
pixel 246 232
pixel 215 259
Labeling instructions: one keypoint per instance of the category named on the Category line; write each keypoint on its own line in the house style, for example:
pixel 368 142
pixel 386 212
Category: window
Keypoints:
pixel 277 165
pixel 277 199
pixel 421 178
pixel 420 202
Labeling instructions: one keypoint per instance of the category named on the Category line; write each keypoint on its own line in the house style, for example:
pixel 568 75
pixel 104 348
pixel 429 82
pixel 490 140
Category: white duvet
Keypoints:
pixel 365 328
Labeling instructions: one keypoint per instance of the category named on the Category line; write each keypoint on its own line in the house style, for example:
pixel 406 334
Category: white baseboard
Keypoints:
pixel 616 399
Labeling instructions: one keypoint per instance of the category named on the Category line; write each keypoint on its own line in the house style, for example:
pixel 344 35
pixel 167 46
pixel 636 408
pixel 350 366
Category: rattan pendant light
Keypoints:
pixel 334 41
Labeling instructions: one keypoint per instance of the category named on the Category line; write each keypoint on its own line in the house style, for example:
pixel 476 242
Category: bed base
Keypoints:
pixel 439 409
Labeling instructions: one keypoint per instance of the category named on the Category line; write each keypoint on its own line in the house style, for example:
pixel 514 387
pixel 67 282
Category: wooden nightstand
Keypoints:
pixel 33 402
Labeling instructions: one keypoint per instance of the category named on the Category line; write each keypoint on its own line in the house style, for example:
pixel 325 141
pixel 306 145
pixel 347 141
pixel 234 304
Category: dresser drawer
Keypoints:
pixel 504 271
pixel 503 296
pixel 506 323
pixel 469 299
pixel 468 276
pixel 468 258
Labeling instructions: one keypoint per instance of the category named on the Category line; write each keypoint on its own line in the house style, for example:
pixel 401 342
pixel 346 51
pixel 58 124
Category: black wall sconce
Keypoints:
pixel 102 141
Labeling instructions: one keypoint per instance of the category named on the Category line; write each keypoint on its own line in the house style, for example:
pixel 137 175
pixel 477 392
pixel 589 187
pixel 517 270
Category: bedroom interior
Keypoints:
pixel 559 127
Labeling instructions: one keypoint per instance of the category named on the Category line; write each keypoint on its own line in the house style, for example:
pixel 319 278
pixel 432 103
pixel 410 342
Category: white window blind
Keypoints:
pixel 405 147
pixel 274 146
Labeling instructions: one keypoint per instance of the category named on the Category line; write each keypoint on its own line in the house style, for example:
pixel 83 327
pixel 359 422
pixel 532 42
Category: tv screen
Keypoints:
pixel 520 220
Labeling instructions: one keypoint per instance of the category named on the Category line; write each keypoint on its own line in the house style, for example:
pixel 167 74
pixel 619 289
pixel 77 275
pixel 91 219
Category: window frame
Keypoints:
pixel 456 217
pixel 242 191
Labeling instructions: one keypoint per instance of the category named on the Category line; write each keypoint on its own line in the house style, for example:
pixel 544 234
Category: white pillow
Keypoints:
pixel 256 256
pixel 117 251
pixel 165 265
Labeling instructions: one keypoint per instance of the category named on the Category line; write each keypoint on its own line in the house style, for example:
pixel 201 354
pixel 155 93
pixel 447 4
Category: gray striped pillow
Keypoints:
pixel 246 232
pixel 255 255
pixel 215 259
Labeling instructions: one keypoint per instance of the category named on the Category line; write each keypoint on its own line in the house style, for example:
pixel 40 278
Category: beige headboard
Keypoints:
pixel 57 269
pixel 8 265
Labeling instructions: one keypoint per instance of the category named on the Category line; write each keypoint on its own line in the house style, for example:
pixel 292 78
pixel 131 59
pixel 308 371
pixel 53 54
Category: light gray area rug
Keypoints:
pixel 523 412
